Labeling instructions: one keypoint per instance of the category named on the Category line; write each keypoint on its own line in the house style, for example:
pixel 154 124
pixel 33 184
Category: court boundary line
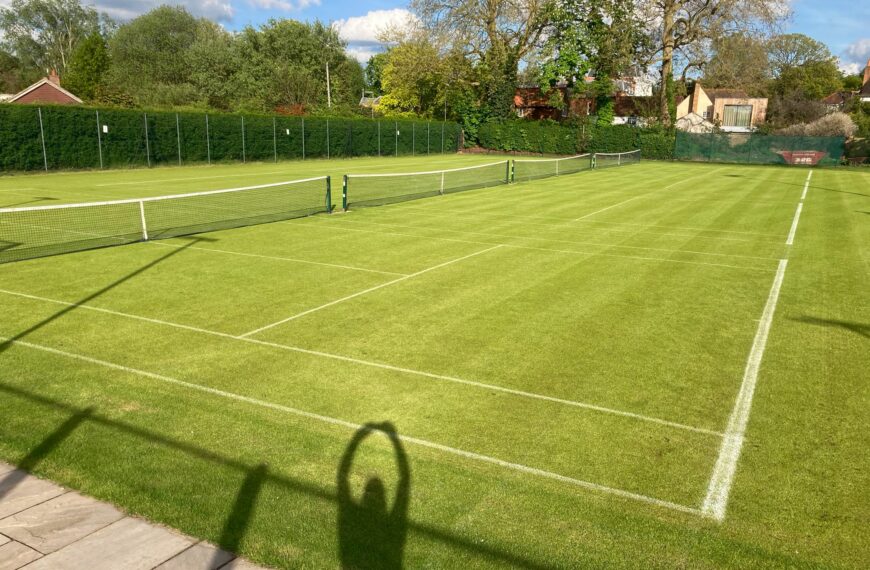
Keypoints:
pixel 277 258
pixel 797 214
pixel 518 467
pixel 607 245
pixel 514 246
pixel 372 364
pixel 365 291
pixel 715 502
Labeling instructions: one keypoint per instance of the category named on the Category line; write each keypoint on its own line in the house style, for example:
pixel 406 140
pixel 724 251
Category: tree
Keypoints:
pixel 45 33
pixel 811 80
pixel 88 65
pixel 684 27
pixel 788 51
pixel 853 82
pixel 374 70
pixel 495 34
pixel 412 76
pixel 740 62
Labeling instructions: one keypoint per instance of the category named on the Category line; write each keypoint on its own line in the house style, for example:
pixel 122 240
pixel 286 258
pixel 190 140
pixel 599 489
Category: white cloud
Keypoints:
pixel 361 32
pixel 855 57
pixel 283 5
pixel 365 29
pixel 217 10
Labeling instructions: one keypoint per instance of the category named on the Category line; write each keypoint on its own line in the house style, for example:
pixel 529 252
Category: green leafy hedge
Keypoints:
pixel 82 137
pixel 550 138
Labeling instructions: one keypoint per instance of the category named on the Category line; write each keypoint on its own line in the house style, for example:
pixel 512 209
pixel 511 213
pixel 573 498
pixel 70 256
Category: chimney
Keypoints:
pixel 53 77
pixel 867 73
pixel 696 91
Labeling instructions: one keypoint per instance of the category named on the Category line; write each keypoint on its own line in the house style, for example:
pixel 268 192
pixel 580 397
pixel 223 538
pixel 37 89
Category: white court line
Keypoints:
pixel 248 174
pixel 807 185
pixel 794 224
pixel 369 290
pixel 576 242
pixel 589 253
pixel 278 258
pixel 353 426
pixel 716 501
pixel 647 194
pixel 370 364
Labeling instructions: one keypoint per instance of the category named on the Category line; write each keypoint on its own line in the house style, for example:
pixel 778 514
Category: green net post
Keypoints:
pixel 513 169
pixel 328 195
pixel 507 174
pixel 344 193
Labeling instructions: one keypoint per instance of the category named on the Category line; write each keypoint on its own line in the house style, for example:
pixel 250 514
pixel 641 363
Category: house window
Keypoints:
pixel 737 116
pixel 705 114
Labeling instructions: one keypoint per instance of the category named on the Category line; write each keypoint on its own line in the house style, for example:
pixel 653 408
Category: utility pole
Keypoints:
pixel 328 91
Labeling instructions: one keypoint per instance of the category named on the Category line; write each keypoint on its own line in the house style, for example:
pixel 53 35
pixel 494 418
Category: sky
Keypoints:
pixel 844 25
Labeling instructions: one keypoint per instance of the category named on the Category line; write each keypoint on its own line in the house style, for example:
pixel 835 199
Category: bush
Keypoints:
pixel 137 138
pixel 547 137
pixel 831 125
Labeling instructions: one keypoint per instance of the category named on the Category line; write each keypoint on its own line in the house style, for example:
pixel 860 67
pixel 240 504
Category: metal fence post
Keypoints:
pixel 275 139
pixel 178 137
pixel 99 141
pixel 397 137
pixel 147 143
pixel 427 137
pixel 303 138
pixel 207 141
pixel 379 138
pixel 327 138
pixel 244 155
pixel 42 137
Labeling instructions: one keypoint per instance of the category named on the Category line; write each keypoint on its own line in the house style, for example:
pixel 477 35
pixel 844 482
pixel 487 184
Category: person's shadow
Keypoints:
pixel 370 534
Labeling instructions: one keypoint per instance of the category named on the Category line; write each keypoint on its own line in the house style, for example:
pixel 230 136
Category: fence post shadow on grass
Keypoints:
pixel 371 535
pixel 35 456
pixel 6 344
pixel 857 328
pixel 236 525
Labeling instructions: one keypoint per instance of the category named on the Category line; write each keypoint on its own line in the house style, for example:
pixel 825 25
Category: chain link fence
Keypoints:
pixel 64 137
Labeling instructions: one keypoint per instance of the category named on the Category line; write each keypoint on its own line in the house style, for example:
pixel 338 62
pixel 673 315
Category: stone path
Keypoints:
pixel 44 526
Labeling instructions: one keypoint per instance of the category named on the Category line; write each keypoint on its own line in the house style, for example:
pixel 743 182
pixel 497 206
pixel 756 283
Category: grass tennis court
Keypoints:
pixel 620 367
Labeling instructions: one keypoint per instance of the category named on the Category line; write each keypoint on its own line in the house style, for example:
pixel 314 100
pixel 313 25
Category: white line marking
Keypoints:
pixel 353 426
pixel 807 185
pixel 192 178
pixel 589 253
pixel 607 208
pixel 369 290
pixel 278 258
pixel 370 364
pixel 716 501
pixel 794 224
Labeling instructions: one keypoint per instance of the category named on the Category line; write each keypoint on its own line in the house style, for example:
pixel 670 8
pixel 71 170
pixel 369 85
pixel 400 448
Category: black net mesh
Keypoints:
pixel 608 159
pixel 533 169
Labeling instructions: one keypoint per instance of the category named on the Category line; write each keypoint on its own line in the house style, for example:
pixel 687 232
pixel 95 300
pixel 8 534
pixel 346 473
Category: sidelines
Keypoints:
pixel 371 364
pixel 797 214
pixel 807 185
pixel 369 290
pixel 353 426
pixel 278 258
pixel 716 501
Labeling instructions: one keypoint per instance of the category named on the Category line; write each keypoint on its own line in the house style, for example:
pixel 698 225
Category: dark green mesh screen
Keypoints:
pixel 759 149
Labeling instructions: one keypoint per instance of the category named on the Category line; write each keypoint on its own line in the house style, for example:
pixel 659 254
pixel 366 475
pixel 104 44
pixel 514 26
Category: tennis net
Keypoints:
pixel 608 159
pixel 39 231
pixel 378 189
pixel 533 169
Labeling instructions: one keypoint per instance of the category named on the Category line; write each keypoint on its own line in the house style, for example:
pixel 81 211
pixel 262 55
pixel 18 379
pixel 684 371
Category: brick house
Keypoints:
pixel 732 109
pixel 532 103
pixel 864 94
pixel 46 90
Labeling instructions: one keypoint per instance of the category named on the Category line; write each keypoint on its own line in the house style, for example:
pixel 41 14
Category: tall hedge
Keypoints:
pixel 551 138
pixel 81 137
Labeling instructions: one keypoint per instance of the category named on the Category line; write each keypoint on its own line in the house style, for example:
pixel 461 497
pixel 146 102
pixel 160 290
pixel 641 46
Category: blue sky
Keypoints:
pixel 844 25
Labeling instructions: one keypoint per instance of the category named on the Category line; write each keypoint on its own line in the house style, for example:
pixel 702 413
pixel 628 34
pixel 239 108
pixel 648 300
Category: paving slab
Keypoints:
pixel 4 467
pixel 202 556
pixel 240 564
pixel 58 522
pixel 19 491
pixel 129 543
pixel 14 555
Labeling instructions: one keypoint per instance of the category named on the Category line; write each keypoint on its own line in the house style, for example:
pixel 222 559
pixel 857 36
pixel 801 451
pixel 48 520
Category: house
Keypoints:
pixel 46 90
pixel 731 109
pixel 864 94
pixel 695 123
pixel 837 100
pixel 532 103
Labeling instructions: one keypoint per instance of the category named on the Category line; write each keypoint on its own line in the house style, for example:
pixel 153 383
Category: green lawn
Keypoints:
pixel 561 359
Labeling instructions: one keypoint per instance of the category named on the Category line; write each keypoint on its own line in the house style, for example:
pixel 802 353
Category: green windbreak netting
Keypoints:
pixel 65 137
pixel 759 149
